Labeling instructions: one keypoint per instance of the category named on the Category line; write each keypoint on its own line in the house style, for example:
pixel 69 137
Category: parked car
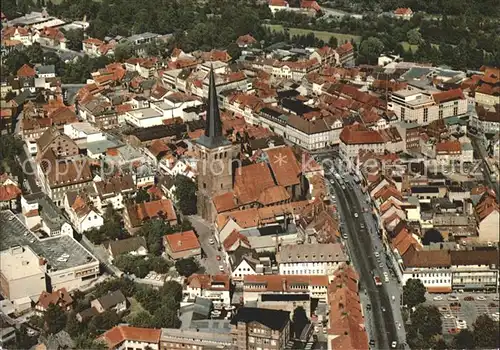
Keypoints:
pixel 452 298
pixel 438 298
pixel 356 215
pixel 469 298
pixel 394 344
pixel 211 241
pixel 481 298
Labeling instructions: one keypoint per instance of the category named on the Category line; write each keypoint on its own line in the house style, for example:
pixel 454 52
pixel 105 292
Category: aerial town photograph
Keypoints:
pixel 249 174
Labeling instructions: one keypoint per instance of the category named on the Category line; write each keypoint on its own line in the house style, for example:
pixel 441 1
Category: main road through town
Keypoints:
pixel 383 328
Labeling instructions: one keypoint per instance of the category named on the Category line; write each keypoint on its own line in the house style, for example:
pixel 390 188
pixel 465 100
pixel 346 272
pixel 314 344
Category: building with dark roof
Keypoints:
pixel 111 301
pixel 260 326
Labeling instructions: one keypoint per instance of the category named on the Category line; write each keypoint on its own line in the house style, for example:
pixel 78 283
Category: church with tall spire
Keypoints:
pixel 215 154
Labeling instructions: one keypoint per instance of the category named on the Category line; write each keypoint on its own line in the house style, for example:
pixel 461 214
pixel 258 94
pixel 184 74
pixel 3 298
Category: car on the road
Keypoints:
pixel 383 309
pixel 394 344
pixel 211 241
pixel 438 298
pixel 372 342
pixel 378 281
pixel 469 298
pixel 377 254
pixel 368 306
pixel 217 257
pixel 221 268
pixel 362 226
pixel 481 298
pixel 344 236
pixel 495 298
pixel 452 298
pixel 380 265
pixel 343 187
pixel 325 330
pixel 356 215
pixel 316 329
pixel 30 332
pixel 448 316
pixel 386 277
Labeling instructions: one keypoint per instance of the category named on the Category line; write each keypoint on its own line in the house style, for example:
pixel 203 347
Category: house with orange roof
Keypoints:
pixel 26 71
pixel 245 41
pixel 126 337
pixel 58 297
pixel 344 55
pixel 487 214
pixel 487 91
pixel 51 37
pixel 214 287
pixel 136 215
pixel 82 213
pixel 22 34
pixel 182 245
pixel 346 326
pixel 403 12
pixel 9 193
pixel 357 137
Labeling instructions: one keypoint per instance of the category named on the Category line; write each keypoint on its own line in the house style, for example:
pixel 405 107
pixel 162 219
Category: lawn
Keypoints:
pixel 325 36
pixel 407 46
pixel 135 308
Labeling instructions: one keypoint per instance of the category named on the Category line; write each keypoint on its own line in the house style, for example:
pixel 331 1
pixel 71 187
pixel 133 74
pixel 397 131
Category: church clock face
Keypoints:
pixel 217 167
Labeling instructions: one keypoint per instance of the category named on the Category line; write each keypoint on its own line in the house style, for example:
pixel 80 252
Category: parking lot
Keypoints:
pixel 459 311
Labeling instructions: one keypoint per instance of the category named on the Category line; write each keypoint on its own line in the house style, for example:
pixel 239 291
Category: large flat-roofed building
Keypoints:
pixel 194 338
pixel 67 263
pixel 21 275
pixel 424 107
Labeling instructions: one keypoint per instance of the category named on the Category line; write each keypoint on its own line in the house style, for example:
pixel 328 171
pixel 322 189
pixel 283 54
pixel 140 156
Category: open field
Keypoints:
pixel 407 46
pixel 325 36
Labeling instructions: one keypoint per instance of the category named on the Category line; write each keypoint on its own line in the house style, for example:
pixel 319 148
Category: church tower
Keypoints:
pixel 215 154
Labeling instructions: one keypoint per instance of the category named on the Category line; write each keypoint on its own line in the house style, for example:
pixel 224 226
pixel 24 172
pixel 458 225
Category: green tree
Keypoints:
pixel 142 196
pixel 10 95
pixel 13 61
pixel 86 341
pixel 143 319
pixel 234 51
pixel 299 321
pixel 486 333
pixel 123 51
pixel 186 267
pixel 370 49
pixel 185 194
pixel 34 53
pixel 413 292
pixel 333 42
pixel 153 231
pixel 166 317
pixel 427 321
pixel 127 287
pixel 171 290
pixel 464 340
pixel 54 318
pixel 73 326
pixel 74 38
pixel 414 37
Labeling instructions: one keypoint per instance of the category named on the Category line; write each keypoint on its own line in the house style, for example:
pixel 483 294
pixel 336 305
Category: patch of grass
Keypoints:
pixel 135 308
pixel 406 46
pixel 325 36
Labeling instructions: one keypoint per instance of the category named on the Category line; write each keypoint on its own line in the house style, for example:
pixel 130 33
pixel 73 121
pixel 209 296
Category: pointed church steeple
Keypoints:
pixel 213 136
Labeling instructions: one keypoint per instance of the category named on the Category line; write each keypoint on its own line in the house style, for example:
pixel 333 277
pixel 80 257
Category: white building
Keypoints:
pixel 66 262
pixel 81 212
pixel 126 337
pixel 424 107
pixel 213 287
pixel 84 131
pixel 256 285
pixel 310 259
pixel 22 276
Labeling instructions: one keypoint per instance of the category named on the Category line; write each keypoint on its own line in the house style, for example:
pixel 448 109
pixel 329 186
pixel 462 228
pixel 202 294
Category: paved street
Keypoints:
pixel 211 251
pixel 481 151
pixel 27 163
pixel 362 237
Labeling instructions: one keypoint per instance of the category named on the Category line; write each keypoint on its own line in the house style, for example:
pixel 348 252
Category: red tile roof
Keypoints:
pixel 282 283
pixel 357 134
pixel 118 334
pixel 250 181
pixel 59 297
pixel 285 167
pixel 209 282
pixel 246 40
pixel 450 95
pixel 403 11
pixel 278 3
pixel 234 237
pixel 153 209
pixel 225 202
pixel 449 147
pixel 182 241
pixel 26 71
pixel 9 192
